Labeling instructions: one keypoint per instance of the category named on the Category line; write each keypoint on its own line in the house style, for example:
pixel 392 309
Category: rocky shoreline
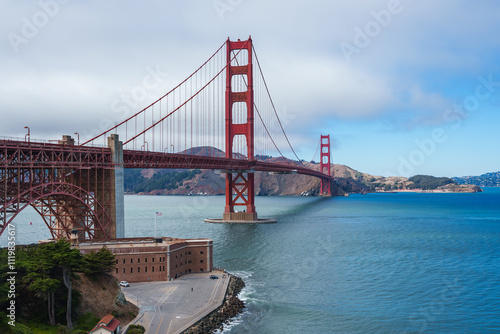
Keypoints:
pixel 232 307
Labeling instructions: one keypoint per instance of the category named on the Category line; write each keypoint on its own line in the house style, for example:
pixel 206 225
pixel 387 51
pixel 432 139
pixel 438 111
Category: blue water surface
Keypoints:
pixel 376 263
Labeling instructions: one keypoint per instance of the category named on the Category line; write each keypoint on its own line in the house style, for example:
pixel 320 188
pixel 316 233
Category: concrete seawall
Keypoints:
pixel 230 308
pixel 180 305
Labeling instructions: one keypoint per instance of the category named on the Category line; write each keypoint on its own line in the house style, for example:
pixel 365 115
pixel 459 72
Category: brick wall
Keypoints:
pixel 141 267
pixel 143 262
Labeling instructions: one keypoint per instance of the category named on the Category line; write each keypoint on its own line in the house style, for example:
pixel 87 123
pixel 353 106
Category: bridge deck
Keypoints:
pixel 47 155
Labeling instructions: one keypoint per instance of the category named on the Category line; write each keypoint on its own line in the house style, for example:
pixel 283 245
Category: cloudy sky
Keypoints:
pixel 404 87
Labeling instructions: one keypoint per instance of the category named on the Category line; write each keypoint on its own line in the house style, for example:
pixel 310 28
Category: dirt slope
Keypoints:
pixel 103 296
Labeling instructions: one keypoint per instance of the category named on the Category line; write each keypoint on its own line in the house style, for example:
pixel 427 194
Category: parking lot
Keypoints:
pixel 171 307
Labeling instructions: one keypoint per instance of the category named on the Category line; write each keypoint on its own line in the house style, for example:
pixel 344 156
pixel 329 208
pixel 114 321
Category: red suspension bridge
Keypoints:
pixel 220 117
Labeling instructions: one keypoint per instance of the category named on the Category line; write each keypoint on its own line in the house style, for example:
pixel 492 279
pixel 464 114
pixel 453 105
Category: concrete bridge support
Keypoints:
pixel 97 212
pixel 117 187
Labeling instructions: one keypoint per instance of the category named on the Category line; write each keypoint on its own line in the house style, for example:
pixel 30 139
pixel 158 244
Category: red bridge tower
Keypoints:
pixel 239 183
pixel 325 165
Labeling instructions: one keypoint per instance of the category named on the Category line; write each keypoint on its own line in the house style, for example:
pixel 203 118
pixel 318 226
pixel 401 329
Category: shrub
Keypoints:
pixel 22 329
pixel 136 329
pixel 86 321
pixel 62 330
pixel 116 314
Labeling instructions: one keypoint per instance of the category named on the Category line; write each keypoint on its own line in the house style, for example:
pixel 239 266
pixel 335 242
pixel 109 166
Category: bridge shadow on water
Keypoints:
pixel 247 238
pixel 303 208
pixel 256 252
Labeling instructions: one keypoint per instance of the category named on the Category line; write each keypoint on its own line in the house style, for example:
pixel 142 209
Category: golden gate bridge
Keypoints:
pixel 220 117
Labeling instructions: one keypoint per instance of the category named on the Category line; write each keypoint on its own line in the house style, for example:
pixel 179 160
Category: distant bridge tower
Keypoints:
pixel 240 191
pixel 325 166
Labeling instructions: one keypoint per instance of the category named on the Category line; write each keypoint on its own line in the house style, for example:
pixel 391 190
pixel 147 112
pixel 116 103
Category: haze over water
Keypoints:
pixel 380 263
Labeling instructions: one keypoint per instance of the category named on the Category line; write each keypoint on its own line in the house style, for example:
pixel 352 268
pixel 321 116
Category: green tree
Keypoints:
pixel 69 259
pixel 45 287
pixel 99 262
pixel 40 279
pixel 54 260
pixel 25 297
pixel 42 270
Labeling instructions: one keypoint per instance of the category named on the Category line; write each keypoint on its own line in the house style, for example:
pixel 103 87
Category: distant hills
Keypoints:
pixel 348 181
pixel 485 180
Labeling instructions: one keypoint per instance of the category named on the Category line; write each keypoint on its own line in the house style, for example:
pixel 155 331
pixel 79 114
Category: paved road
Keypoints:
pixel 171 307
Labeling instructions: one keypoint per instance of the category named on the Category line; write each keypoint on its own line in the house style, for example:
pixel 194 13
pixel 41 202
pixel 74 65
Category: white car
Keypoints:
pixel 124 283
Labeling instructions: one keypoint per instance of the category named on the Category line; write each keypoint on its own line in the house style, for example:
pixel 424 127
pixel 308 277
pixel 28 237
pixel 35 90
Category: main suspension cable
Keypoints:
pixel 274 108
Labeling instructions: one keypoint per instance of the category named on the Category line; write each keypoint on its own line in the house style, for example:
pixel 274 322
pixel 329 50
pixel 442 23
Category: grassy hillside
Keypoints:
pixel 138 181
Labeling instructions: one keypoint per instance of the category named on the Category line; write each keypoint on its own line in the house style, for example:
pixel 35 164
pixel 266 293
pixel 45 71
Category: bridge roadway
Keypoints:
pixel 172 307
pixel 48 155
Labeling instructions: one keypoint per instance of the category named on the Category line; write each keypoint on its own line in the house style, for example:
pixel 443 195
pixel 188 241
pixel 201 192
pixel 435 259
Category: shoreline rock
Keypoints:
pixel 232 307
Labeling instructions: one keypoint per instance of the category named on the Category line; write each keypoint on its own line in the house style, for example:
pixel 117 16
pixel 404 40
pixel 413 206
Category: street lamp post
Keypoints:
pixel 28 134
pixel 76 133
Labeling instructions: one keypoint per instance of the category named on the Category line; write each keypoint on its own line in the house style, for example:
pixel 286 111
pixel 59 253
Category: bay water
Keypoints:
pixel 376 263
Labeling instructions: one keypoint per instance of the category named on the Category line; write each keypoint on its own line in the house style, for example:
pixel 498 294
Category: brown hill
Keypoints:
pixel 102 296
pixel 210 182
pixel 347 181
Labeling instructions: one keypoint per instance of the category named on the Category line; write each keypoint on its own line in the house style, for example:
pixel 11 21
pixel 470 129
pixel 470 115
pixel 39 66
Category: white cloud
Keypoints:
pixel 324 86
pixel 91 52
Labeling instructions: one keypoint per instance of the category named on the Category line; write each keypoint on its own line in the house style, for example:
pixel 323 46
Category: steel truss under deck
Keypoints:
pixel 69 186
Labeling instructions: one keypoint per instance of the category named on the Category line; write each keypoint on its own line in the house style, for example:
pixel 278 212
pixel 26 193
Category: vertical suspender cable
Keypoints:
pixel 186 114
pixel 153 122
pixel 191 118
pixel 213 112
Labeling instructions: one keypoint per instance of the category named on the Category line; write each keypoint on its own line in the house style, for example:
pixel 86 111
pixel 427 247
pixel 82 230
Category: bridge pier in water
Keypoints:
pixel 240 188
